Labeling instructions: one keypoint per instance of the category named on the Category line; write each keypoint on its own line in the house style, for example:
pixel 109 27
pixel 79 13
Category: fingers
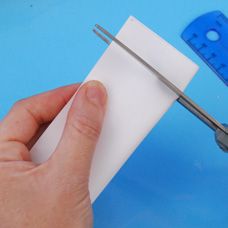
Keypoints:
pixel 75 150
pixel 13 151
pixel 34 139
pixel 27 115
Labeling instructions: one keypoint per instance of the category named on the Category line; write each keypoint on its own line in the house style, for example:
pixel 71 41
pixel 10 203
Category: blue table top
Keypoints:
pixel 177 176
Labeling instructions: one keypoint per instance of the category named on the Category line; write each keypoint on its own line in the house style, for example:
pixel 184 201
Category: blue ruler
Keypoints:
pixel 207 35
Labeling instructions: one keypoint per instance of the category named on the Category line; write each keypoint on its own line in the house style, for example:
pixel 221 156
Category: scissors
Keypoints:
pixel 220 130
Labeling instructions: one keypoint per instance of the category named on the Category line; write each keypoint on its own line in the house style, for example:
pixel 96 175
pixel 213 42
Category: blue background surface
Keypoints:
pixel 177 177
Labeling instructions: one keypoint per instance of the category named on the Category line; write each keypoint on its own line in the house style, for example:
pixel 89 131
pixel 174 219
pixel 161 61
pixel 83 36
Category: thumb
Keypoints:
pixel 74 153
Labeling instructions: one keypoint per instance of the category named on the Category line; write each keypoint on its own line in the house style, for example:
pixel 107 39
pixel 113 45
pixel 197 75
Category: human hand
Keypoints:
pixel 53 194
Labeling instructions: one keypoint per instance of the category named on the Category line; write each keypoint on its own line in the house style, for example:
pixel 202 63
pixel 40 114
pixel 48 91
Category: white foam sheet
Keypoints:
pixel 136 100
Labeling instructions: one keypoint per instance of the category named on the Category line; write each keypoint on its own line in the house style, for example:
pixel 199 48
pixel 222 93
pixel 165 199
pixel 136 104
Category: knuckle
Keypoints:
pixel 19 103
pixel 86 127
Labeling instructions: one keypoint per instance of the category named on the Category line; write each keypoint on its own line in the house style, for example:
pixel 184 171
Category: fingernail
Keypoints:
pixel 96 93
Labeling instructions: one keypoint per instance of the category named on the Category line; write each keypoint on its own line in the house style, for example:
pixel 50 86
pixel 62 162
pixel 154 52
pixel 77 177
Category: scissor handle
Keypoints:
pixel 222 138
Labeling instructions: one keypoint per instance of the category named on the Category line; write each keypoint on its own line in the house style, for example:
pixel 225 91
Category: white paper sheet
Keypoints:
pixel 137 100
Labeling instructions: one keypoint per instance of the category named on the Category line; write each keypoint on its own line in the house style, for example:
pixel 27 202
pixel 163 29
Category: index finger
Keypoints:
pixel 27 115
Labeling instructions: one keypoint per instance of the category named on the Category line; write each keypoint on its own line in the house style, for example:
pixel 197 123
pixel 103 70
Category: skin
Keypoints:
pixel 53 194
